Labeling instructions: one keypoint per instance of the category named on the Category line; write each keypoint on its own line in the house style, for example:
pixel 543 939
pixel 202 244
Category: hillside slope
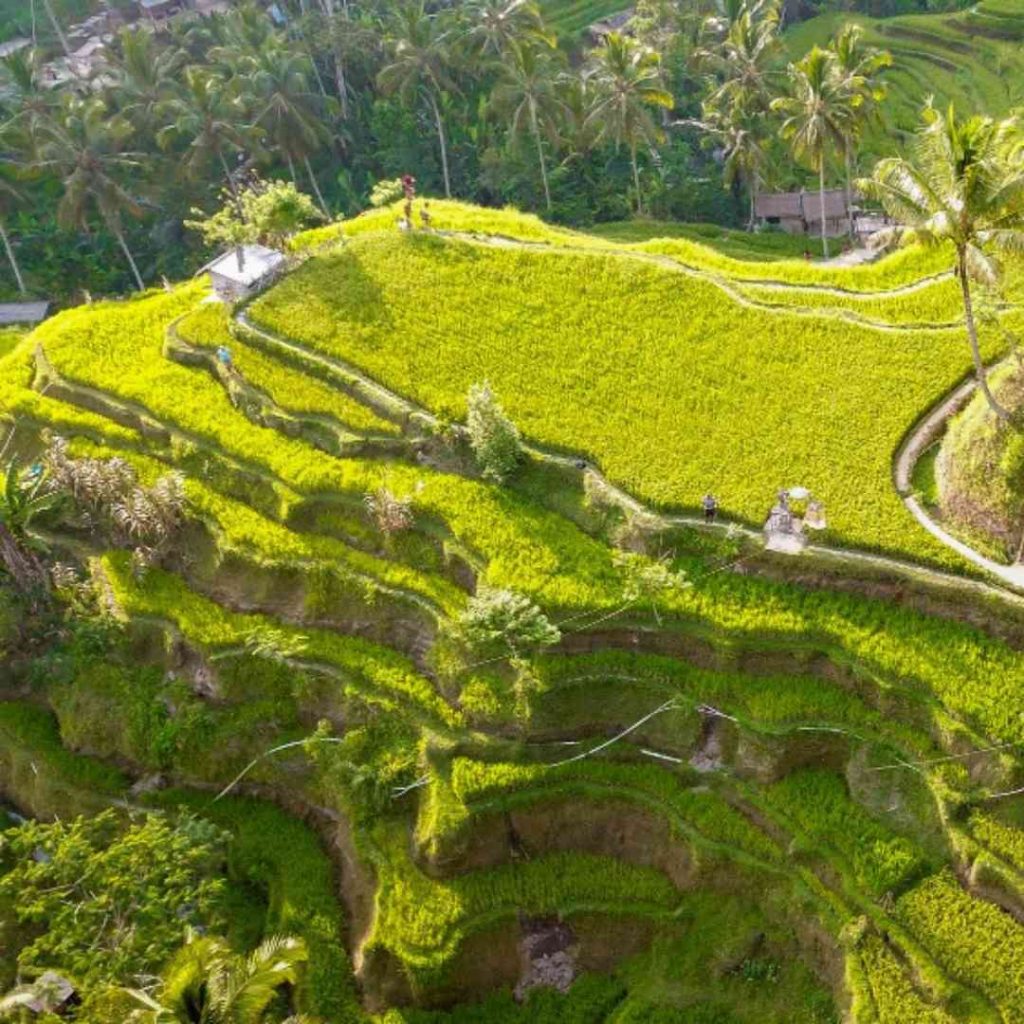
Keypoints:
pixel 974 58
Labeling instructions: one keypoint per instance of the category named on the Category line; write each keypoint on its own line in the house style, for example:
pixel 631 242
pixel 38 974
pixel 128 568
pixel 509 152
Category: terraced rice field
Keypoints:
pixel 974 58
pixel 801 827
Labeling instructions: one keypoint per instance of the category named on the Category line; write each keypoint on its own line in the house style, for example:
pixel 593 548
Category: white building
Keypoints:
pixel 244 271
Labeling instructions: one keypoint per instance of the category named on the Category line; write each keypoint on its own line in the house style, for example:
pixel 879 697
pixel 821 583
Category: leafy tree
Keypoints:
pixel 420 65
pixel 743 61
pixel 492 435
pixel 113 903
pixel 264 212
pixel 142 72
pixel 818 115
pixel 740 135
pixel 628 83
pixel 962 186
pixel 206 983
pixel 860 67
pixel 497 619
pixel 527 92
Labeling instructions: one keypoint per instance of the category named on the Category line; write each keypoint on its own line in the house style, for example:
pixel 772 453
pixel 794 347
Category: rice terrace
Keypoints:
pixel 511 512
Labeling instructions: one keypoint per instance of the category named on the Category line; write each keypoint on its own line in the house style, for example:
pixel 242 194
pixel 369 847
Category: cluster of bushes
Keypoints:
pixel 283 858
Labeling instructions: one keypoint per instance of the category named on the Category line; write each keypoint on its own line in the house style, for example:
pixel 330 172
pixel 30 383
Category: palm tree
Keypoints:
pixel 860 66
pixel 419 66
pixel 143 73
pixel 527 90
pixel 24 498
pixel 205 983
pixel 964 186
pixel 9 196
pixel 83 146
pixel 498 25
pixel 207 112
pixel 628 83
pixel 742 61
pixel 288 110
pixel 818 115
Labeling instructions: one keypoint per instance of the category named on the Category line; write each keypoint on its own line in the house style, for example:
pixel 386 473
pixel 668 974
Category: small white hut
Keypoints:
pixel 245 271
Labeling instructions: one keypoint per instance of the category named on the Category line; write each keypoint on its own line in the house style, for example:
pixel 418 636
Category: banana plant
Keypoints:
pixel 24 498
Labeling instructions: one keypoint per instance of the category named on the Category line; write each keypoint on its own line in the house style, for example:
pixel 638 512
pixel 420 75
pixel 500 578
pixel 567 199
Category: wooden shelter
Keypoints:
pixel 244 272
pixel 799 213
pixel 28 313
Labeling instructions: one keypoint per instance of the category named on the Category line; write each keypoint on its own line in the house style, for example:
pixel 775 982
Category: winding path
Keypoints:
pixel 927 431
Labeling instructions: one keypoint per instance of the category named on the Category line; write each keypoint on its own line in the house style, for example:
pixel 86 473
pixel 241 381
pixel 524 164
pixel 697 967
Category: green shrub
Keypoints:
pixel 492 435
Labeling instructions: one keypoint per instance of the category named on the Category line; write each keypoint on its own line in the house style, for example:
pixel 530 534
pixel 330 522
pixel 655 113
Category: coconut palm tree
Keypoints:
pixel 861 67
pixel 743 61
pixel 419 66
pixel 498 25
pixel 9 197
pixel 818 115
pixel 205 983
pixel 142 74
pixel 208 114
pixel 628 84
pixel 962 186
pixel 527 91
pixel 84 146
pixel 287 109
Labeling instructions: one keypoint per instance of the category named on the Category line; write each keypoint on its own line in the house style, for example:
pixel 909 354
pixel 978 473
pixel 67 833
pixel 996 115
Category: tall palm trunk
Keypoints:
pixel 972 335
pixel 22 565
pixel 339 60
pixel 540 155
pixel 291 168
pixel 316 187
pixel 755 189
pixel 821 193
pixel 12 260
pixel 444 144
pixel 56 28
pixel 848 159
pixel 232 186
pixel 636 178
pixel 131 260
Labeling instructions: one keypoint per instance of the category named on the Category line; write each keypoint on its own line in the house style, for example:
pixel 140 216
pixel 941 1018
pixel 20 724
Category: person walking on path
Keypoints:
pixel 710 505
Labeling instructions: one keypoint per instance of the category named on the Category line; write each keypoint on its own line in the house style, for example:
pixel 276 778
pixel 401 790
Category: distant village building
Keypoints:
pixel 28 313
pixel 155 9
pixel 616 23
pixel 244 272
pixel 799 213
